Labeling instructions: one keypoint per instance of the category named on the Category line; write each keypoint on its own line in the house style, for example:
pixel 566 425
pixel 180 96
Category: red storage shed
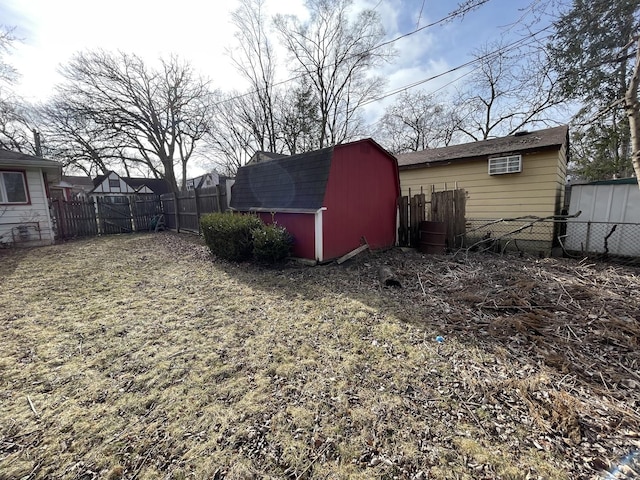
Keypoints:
pixel 328 199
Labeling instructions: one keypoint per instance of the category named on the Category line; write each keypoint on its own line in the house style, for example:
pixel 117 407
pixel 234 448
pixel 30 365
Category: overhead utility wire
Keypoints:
pixel 498 51
pixel 364 52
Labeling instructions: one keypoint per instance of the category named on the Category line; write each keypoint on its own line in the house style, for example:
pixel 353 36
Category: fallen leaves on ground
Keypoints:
pixel 143 356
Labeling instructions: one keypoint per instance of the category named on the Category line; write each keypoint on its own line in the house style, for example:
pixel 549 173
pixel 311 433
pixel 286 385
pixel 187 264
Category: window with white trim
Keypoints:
pixel 501 165
pixel 13 187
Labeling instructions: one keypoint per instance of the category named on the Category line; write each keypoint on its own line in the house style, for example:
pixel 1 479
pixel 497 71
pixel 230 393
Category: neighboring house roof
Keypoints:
pixel 262 156
pixel 293 182
pixel 79 181
pixel 157 185
pixel 9 158
pixel 518 143
pixel 198 182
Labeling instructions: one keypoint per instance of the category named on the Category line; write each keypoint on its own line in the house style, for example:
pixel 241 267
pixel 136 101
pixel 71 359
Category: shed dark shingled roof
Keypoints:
pixel 296 182
pixel 537 140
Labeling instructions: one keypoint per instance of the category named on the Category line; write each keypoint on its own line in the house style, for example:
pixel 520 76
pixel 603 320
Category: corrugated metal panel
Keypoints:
pixel 603 206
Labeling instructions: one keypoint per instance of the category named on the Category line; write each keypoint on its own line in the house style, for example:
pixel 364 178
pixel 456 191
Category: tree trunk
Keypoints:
pixel 632 107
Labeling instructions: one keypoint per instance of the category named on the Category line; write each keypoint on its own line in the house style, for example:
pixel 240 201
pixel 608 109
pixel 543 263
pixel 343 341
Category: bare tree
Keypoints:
pixel 77 141
pixel 336 54
pixel 233 139
pixel 15 130
pixel 415 121
pixel 156 117
pixel 8 73
pixel 299 119
pixel 510 88
pixel 253 57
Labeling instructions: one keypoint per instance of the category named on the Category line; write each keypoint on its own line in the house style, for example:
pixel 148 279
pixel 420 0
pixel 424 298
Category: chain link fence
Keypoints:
pixel 613 241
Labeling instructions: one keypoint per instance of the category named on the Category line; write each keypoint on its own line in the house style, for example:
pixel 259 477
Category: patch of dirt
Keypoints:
pixel 142 356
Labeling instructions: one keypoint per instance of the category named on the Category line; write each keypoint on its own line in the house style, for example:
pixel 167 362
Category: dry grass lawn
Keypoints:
pixel 144 357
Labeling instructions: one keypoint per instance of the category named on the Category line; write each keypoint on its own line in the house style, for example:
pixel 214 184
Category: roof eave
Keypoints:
pixel 484 157
pixel 275 210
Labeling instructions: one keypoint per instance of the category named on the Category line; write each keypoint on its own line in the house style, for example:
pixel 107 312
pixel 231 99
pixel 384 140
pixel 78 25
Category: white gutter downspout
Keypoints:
pixel 52 236
pixel 318 234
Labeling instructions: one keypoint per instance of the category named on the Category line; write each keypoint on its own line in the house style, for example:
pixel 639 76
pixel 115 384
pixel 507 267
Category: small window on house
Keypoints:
pixel 501 165
pixel 13 187
pixel 114 183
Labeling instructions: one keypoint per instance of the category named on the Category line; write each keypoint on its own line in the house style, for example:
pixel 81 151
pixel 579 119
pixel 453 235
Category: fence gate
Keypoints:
pixel 114 217
pixel 143 209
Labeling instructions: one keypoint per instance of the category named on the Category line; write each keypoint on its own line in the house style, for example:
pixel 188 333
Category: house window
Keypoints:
pixel 116 199
pixel 13 187
pixel 114 183
pixel 501 165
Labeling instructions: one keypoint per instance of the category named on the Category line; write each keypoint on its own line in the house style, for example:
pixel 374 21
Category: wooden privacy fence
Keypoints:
pixel 412 212
pixel 182 210
pixel 74 219
pixel 447 206
pixel 81 218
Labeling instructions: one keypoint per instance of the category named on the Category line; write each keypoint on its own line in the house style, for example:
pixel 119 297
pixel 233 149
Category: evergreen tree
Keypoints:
pixel 594 54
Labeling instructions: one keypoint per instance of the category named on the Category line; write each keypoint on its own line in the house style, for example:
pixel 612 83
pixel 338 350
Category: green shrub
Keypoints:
pixel 271 243
pixel 229 235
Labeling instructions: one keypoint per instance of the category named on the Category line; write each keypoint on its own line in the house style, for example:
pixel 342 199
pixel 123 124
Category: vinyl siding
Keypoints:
pixel 36 213
pixel 537 190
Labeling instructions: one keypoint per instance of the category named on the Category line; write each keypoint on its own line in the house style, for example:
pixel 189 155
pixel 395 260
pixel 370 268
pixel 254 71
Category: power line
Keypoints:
pixel 484 57
pixel 445 19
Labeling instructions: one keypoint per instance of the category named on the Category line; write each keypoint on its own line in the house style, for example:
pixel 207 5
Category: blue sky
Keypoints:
pixel 199 31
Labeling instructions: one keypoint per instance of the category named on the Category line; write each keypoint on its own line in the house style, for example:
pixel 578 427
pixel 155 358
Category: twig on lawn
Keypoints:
pixel 421 285
pixel 33 409
pixel 473 415
pixel 319 454
pixel 144 460
pixel 33 472
pixel 604 383
pixel 629 370
pixel 176 354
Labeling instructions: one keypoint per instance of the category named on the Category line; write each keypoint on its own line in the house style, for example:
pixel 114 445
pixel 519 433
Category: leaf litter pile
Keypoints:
pixel 145 357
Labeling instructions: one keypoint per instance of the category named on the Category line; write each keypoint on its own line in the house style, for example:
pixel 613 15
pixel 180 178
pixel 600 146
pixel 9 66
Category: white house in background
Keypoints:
pixel 25 219
pixel 207 180
pixel 115 189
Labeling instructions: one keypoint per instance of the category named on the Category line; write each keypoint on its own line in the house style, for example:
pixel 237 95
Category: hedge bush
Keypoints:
pixel 230 236
pixel 271 243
